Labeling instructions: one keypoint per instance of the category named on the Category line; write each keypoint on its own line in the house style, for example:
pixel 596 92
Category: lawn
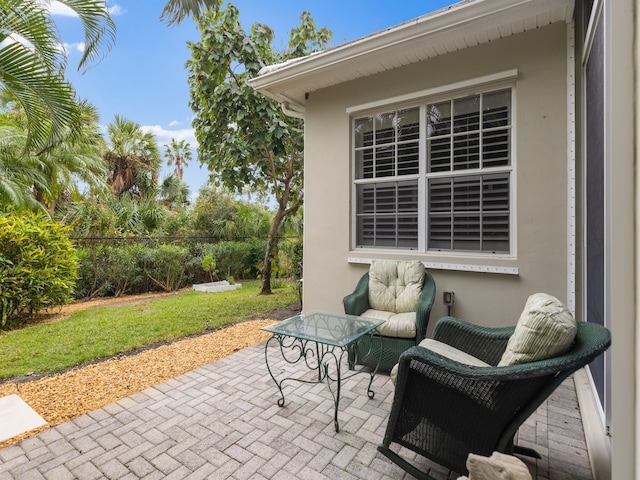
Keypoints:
pixel 102 332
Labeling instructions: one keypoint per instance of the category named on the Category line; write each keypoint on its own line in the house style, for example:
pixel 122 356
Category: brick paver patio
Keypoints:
pixel 222 421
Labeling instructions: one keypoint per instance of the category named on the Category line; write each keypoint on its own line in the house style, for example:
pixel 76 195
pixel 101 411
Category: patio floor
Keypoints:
pixel 222 421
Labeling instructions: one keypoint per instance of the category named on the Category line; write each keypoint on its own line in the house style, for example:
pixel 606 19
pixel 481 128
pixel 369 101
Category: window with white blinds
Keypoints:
pixel 465 167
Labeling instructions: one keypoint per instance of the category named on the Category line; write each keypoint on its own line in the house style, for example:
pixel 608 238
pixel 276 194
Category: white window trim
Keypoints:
pixel 463 267
pixel 505 79
pixel 476 82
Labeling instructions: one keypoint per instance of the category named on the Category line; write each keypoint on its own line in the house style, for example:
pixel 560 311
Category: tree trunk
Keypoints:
pixel 268 254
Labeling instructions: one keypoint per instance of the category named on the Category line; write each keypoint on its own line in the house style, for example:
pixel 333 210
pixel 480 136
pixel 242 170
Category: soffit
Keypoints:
pixel 459 26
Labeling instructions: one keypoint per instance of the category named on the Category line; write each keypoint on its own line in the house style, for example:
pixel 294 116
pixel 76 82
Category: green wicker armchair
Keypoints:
pixel 367 351
pixel 444 410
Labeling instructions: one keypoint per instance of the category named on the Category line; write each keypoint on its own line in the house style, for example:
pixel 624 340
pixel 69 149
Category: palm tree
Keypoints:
pixel 179 155
pixel 32 66
pixel 174 192
pixel 177 10
pixel 54 173
pixel 132 158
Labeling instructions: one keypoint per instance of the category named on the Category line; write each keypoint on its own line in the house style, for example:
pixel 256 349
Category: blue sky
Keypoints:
pixel 143 77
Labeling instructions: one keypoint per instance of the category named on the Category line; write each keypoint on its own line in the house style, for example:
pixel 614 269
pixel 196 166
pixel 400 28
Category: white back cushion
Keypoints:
pixel 395 286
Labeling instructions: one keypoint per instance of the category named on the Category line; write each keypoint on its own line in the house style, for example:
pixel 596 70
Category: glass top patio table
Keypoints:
pixel 325 338
pixel 338 330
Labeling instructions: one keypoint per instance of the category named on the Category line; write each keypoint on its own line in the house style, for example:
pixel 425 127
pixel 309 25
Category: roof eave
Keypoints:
pixel 449 23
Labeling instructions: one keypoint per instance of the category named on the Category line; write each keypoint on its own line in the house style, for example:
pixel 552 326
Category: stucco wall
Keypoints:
pixel 541 180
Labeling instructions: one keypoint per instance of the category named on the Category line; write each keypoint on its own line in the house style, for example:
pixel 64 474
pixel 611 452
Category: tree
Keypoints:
pixel 177 10
pixel 39 180
pixel 179 155
pixel 32 65
pixel 132 158
pixel 244 137
pixel 174 192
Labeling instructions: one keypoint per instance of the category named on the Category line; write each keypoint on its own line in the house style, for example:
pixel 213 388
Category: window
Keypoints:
pixel 459 152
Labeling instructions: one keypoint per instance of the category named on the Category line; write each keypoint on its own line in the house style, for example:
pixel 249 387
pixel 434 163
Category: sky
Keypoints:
pixel 143 77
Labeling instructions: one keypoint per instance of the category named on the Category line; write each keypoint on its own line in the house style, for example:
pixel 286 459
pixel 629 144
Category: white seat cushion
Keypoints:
pixel 445 350
pixel 546 328
pixel 399 325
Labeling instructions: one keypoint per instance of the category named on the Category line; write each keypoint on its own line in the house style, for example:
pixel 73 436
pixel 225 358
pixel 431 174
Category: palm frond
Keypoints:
pixel 99 29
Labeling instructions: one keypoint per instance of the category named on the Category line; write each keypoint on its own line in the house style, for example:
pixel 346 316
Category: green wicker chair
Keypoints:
pixel 367 351
pixel 444 410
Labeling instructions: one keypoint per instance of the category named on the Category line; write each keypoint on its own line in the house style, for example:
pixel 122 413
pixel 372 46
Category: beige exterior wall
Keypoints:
pixel 540 188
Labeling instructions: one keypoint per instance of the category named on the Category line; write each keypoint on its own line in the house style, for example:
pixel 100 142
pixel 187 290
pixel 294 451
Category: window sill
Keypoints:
pixel 452 266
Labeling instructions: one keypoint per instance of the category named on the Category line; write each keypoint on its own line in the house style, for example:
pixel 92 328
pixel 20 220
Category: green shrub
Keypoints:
pixel 165 266
pixel 112 270
pixel 38 265
pixel 106 270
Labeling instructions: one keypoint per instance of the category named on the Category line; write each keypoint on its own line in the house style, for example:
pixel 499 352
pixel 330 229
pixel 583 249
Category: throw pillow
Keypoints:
pixel 546 328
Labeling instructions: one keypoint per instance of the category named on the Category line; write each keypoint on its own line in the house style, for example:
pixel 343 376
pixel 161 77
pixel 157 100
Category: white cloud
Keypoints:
pixel 174 123
pixel 59 8
pixel 116 10
pixel 77 46
pixel 164 136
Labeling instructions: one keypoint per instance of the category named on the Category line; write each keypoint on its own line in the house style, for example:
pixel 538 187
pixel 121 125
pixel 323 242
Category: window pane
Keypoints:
pixel 439 119
pixel 439 195
pixel 385 232
pixel 466 151
pixel 364 163
pixel 408 159
pixel 469 213
pixel 466 194
pixel 466 114
pixel 495 192
pixel 440 232
pixel 495 233
pixel 466 232
pixel 495 229
pixel 408 124
pixel 365 231
pixel 386 198
pixel 408 231
pixel 385 161
pixel 439 154
pixel 363 132
pixel 385 129
pixel 496 150
pixel 365 198
pixel 496 107
pixel 387 214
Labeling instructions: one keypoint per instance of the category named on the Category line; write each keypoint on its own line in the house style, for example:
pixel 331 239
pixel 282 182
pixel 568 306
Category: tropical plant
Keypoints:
pixel 178 155
pixel 244 137
pixel 177 10
pixel 32 65
pixel 174 192
pixel 209 265
pixel 54 173
pixel 132 158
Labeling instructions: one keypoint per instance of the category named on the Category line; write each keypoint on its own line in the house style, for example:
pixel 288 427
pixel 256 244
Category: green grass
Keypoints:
pixel 102 332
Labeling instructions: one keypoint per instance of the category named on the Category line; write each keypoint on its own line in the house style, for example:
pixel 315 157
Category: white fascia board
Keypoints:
pixel 447 24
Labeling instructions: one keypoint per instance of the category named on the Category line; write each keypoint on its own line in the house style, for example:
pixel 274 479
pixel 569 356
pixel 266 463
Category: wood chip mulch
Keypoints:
pixel 62 397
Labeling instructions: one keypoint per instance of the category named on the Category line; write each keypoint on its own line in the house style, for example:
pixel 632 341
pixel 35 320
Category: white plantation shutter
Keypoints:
pixel 467 168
